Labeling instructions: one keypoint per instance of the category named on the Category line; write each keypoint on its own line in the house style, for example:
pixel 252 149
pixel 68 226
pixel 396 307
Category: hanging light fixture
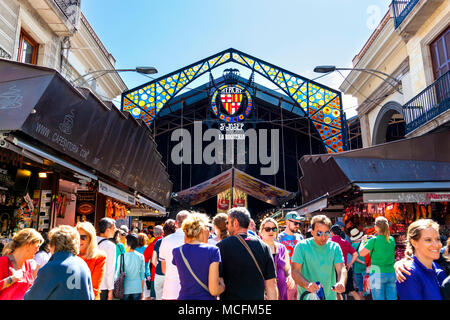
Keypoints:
pixel 42 175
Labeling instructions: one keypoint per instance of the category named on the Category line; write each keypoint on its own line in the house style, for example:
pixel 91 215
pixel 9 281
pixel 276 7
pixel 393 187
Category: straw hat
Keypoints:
pixel 355 234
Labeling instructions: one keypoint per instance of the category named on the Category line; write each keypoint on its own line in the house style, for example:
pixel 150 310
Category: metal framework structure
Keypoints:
pixel 322 105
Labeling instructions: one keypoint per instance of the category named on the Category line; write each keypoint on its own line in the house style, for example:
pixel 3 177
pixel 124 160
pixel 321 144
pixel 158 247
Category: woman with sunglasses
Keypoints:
pixel 269 232
pixel 89 252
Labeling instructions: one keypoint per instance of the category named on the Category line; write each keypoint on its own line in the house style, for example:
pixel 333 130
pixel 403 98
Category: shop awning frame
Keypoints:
pixel 313 206
pixel 55 119
pixel 403 186
pixel 420 162
pixel 50 157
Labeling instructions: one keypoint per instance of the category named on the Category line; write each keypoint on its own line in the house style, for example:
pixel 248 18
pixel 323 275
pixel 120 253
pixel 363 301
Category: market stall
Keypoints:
pixel 403 180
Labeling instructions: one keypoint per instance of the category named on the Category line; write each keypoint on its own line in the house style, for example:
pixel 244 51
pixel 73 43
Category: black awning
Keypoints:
pixel 42 104
pixel 421 159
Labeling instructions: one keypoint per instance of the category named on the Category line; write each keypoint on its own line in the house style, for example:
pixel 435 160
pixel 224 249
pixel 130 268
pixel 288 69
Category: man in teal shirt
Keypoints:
pixel 318 259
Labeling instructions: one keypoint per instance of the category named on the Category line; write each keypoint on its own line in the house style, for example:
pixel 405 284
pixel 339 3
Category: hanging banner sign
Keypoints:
pixel 240 198
pixel 115 193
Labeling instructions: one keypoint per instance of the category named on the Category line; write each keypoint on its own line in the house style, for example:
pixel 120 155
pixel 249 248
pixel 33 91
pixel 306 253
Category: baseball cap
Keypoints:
pixel 124 228
pixel 293 215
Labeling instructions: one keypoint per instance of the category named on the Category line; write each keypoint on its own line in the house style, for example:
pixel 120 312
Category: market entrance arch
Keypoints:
pixel 321 104
pixel 307 117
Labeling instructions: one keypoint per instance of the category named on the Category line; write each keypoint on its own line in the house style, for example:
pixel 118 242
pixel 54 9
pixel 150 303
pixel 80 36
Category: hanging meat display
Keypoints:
pixel 115 210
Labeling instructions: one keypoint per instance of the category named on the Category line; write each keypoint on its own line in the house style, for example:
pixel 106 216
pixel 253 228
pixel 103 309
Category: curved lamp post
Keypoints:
pixel 142 70
pixel 328 69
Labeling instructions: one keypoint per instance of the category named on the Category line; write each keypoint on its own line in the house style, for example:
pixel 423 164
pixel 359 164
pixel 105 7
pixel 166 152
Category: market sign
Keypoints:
pixel 231 103
pixel 406 197
pixel 115 193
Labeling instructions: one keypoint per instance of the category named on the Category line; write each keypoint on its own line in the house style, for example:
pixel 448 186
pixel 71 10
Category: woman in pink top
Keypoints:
pixel 16 268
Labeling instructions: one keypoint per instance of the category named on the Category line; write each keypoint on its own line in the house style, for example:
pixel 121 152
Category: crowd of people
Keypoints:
pixel 225 258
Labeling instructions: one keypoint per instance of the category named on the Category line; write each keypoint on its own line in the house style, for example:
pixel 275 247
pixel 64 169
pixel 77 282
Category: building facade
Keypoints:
pixel 56 34
pixel 411 46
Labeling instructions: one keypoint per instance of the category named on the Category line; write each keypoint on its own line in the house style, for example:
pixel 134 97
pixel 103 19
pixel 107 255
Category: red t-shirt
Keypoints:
pixel 18 289
pixel 148 253
pixel 346 247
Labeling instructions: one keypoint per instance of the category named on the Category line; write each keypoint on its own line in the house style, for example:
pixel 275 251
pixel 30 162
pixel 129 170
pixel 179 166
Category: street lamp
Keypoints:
pixel 142 70
pixel 328 69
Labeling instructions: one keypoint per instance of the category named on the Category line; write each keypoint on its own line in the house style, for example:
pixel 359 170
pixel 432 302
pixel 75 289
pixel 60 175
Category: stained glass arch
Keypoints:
pixel 321 104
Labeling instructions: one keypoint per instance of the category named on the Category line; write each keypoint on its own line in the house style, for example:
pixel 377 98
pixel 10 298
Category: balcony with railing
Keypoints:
pixel 428 104
pixel 61 15
pixel 410 15
pixel 401 9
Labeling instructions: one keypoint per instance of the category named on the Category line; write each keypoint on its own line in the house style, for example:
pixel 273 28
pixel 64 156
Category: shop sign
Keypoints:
pixel 85 202
pixel 115 193
pixel 406 197
pixel 231 103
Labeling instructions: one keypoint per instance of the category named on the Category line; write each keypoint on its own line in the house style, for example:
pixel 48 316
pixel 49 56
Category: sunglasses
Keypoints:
pixel 320 233
pixel 295 222
pixel 83 237
pixel 274 229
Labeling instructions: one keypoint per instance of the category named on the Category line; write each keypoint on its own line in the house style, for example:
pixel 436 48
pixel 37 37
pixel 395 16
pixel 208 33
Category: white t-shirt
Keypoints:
pixel 42 258
pixel 171 280
pixel 109 248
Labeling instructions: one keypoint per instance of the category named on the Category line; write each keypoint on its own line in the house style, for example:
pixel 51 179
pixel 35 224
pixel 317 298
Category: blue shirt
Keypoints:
pixel 147 269
pixel 134 272
pixel 64 277
pixel 423 283
pixel 199 257
pixel 289 241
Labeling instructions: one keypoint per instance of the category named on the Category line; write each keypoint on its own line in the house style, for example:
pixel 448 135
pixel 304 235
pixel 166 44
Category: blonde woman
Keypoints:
pixel 269 232
pixel 423 245
pixel 382 255
pixel 197 261
pixel 89 252
pixel 16 267
pixel 65 276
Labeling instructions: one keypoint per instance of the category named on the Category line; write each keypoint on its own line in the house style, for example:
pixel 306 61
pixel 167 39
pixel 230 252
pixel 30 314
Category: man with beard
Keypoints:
pixel 290 237
pixel 247 266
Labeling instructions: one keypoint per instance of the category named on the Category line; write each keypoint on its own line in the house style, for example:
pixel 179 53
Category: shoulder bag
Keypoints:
pixel 251 254
pixel 192 272
pixel 119 283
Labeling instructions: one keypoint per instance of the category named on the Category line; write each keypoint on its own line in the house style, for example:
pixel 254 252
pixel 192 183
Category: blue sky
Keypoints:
pixel 296 35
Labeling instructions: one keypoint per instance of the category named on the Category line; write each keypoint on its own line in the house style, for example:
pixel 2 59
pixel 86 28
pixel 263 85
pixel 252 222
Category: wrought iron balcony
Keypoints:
pixel 428 104
pixel 401 9
pixel 71 9
pixel 62 16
